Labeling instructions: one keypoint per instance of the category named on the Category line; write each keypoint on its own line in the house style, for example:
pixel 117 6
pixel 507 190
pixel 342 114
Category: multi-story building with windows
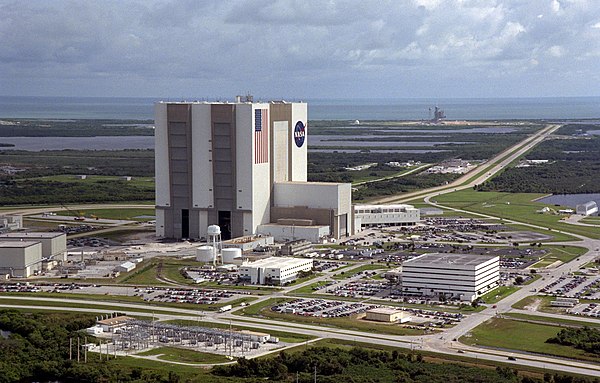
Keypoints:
pixel 461 276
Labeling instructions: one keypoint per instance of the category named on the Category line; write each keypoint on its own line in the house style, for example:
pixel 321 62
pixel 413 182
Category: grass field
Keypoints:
pixel 498 294
pixel 184 355
pixel 515 206
pixel 522 336
pixel 348 274
pixel 140 215
pixel 554 321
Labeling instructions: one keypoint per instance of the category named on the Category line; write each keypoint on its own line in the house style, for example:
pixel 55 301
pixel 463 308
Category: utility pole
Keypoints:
pixel 315 373
pixel 70 348
pixel 85 350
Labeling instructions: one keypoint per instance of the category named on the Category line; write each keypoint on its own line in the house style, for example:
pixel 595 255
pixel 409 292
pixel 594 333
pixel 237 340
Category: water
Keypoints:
pixel 413 151
pixel 364 142
pixel 319 109
pixel 570 200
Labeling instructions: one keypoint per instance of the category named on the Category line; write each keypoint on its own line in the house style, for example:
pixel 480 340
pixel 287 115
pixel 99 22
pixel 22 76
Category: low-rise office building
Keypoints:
pixel 442 276
pixel 388 215
pixel 274 270
pixel 20 259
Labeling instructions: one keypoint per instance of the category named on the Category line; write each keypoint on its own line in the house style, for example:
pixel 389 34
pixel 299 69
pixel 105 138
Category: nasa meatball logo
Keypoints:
pixel 299 134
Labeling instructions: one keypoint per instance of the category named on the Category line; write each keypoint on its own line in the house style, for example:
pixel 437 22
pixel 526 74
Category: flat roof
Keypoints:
pixel 276 262
pixel 315 183
pixel 451 259
pixel 294 226
pixel 41 235
pixel 394 206
pixel 17 244
pixel 384 310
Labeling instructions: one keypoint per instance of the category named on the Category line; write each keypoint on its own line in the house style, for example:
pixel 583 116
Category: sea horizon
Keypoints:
pixel 485 108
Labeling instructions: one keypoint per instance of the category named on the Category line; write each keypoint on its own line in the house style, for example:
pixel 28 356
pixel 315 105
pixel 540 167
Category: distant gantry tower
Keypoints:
pixel 438 114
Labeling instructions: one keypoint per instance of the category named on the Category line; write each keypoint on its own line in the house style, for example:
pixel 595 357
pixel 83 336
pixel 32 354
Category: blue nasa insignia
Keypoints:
pixel 299 134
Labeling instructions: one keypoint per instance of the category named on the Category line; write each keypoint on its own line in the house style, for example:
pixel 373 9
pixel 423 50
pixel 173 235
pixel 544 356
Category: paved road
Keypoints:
pixel 393 177
pixel 491 167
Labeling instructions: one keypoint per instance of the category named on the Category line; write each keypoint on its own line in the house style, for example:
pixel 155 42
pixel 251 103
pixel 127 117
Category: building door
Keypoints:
pixel 225 224
pixel 185 223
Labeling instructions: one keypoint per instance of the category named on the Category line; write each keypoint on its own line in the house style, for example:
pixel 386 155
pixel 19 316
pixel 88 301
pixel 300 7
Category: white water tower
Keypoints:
pixel 214 240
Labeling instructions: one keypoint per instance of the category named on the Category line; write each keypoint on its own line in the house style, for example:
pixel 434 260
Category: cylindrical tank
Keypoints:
pixel 205 254
pixel 214 230
pixel 230 254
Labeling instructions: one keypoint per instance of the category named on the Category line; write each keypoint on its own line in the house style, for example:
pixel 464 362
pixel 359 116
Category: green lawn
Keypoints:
pixel 185 355
pixel 516 206
pixel 522 336
pixel 360 269
pixel 498 294
pixel 554 321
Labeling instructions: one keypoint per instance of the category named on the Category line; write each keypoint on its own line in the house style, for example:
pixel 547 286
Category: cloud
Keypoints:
pixel 295 48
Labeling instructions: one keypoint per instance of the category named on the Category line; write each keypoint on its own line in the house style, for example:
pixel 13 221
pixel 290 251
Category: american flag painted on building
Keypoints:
pixel 261 136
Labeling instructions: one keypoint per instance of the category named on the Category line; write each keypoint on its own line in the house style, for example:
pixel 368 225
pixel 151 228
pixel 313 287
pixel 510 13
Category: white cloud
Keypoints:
pixel 283 47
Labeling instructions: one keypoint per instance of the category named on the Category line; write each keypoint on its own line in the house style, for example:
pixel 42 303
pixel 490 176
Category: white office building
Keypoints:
pixel 238 165
pixel 274 270
pixel 388 215
pixel 460 276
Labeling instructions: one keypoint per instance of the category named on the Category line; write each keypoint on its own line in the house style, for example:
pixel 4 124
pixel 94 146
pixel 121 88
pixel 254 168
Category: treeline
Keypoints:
pixel 586 338
pixel 561 177
pixel 572 168
pixel 76 128
pixel 38 191
pixel 333 365
pixel 403 184
pixel 38 350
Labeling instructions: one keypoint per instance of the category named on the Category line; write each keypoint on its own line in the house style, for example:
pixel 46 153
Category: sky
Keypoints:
pixel 299 49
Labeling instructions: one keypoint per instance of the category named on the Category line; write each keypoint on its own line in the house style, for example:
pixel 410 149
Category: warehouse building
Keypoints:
pixel 54 245
pixel 239 165
pixel 274 270
pixel 388 315
pixel 388 215
pixel 588 208
pixel 455 276
pixel 20 259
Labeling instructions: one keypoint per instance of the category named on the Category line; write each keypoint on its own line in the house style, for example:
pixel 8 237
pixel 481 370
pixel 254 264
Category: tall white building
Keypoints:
pixel 238 165
pixel 462 276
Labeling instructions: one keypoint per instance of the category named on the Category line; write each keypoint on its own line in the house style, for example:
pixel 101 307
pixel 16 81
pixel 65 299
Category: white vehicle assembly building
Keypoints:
pixel 240 165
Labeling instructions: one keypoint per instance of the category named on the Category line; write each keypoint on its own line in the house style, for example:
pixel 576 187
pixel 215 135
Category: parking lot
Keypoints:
pixel 586 309
pixel 320 308
pixel 577 286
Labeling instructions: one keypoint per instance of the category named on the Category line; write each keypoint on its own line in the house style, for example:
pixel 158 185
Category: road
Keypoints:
pixel 393 177
pixel 486 170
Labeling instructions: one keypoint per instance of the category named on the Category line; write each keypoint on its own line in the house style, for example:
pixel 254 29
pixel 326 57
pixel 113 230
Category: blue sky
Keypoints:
pixel 301 48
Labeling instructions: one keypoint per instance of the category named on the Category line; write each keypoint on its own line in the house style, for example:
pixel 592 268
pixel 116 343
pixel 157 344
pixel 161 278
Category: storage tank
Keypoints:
pixel 231 254
pixel 205 254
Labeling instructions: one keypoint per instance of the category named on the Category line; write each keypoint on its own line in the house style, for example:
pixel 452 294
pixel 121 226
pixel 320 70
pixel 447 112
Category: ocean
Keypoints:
pixel 553 108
